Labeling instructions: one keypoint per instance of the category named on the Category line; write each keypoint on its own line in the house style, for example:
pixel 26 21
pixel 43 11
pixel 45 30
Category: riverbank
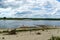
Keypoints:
pixel 31 35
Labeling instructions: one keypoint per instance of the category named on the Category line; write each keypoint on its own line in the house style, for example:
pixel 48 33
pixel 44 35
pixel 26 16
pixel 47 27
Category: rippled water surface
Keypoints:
pixel 18 23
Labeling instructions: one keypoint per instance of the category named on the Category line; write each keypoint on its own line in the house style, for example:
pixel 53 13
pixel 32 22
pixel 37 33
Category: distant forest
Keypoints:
pixel 4 18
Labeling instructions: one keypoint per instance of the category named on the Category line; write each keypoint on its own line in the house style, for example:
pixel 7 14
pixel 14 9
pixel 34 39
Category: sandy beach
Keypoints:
pixel 44 35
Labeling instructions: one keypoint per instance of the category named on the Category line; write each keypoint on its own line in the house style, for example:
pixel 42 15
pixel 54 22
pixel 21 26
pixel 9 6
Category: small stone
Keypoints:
pixel 38 33
pixel 3 38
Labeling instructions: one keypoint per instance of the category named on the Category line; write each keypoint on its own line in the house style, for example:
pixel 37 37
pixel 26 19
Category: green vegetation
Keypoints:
pixel 54 38
pixel 28 29
pixel 4 31
pixel 4 18
pixel 13 31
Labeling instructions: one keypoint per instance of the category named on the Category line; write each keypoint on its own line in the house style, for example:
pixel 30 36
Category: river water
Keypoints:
pixel 19 23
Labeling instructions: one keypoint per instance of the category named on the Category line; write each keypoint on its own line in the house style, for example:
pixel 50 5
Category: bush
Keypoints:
pixel 4 17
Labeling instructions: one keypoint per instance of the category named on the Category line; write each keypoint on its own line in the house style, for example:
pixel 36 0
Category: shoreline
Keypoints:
pixel 31 35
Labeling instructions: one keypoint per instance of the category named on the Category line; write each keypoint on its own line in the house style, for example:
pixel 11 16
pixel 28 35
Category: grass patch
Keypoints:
pixel 4 31
pixel 54 38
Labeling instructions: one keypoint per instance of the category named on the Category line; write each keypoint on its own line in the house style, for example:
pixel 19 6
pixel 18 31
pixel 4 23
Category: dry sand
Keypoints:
pixel 45 35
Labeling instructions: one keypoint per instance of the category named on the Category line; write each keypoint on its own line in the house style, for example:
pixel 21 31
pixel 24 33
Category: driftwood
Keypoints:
pixel 12 32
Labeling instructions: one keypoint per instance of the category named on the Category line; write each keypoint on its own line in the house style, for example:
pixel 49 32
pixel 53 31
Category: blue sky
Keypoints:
pixel 30 8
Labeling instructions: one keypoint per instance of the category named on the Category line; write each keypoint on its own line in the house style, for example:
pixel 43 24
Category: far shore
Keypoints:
pixel 4 18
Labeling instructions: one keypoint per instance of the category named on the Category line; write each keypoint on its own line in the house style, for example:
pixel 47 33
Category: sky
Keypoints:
pixel 30 8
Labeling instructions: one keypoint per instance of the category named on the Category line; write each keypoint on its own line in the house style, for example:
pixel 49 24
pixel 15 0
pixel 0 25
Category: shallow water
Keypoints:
pixel 18 23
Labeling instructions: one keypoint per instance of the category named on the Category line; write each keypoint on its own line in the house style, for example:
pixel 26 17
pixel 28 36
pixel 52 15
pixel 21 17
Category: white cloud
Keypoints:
pixel 39 8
